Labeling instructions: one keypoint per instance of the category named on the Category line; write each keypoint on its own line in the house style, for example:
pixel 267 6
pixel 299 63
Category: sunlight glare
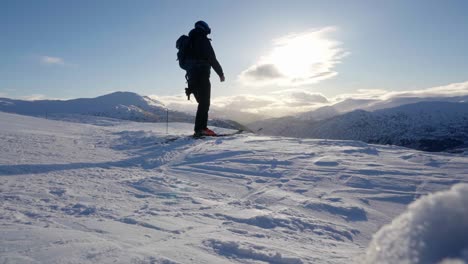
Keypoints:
pixel 304 56
pixel 297 59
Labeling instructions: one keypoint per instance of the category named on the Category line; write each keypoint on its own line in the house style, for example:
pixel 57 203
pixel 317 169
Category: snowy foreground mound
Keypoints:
pixel 434 229
pixel 129 193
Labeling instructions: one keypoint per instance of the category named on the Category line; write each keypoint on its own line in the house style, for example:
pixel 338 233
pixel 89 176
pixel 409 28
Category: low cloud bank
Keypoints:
pixel 434 229
pixel 294 101
pixel 269 105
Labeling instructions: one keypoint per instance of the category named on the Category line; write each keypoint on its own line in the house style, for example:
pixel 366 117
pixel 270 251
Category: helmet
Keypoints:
pixel 204 26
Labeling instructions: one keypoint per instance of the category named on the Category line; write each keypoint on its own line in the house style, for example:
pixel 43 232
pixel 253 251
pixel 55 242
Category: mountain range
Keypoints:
pixel 429 126
pixel 352 104
pixel 118 105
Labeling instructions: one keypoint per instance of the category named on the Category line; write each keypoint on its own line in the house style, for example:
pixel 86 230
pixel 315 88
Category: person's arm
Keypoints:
pixel 214 62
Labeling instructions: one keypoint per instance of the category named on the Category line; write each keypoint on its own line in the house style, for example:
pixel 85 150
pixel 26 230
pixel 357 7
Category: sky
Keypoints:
pixel 269 50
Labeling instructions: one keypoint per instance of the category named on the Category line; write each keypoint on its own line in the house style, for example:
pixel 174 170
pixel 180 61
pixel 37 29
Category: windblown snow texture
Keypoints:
pixel 433 229
pixel 128 192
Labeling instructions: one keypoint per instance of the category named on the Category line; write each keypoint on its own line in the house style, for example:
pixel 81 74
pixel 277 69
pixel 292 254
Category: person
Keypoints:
pixel 201 59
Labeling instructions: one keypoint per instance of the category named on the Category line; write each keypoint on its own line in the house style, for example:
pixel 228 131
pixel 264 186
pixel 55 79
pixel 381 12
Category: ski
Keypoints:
pixel 220 135
pixel 170 139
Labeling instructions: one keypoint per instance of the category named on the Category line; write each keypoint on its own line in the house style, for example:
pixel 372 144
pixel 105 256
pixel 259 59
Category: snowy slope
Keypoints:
pixel 432 126
pixel 129 193
pixel 124 105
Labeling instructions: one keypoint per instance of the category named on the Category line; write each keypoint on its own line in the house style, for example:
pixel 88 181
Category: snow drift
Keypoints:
pixel 434 229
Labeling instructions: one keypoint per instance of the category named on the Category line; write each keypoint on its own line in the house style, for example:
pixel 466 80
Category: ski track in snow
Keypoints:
pixel 129 193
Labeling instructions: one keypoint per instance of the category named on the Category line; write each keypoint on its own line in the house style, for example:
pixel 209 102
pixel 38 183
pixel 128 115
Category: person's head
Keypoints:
pixel 203 26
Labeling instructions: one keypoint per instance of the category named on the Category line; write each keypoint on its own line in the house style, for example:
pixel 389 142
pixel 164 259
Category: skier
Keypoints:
pixel 200 59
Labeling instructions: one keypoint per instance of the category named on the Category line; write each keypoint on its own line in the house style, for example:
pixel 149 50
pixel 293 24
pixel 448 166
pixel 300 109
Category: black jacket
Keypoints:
pixel 202 52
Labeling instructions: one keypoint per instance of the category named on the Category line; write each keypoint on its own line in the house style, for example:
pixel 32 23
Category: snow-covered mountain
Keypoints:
pixel 404 100
pixel 120 105
pixel 130 193
pixel 350 104
pixel 431 126
pixel 321 113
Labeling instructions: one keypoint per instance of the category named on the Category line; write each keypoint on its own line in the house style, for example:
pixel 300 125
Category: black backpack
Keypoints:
pixel 183 44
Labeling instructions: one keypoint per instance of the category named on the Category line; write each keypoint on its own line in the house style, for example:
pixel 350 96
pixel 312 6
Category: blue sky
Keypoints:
pixel 69 49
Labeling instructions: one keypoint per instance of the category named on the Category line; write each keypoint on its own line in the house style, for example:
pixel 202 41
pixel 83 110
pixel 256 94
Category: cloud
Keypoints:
pixel 177 102
pixel 48 60
pixel 451 90
pixel 251 107
pixel 30 97
pixel 273 104
pixel 34 97
pixel 243 102
pixel 268 105
pixel 301 98
pixel 6 91
pixel 263 72
pixel 361 94
pixel 297 59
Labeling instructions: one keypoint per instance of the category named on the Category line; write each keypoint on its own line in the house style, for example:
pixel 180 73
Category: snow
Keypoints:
pixel 434 229
pixel 126 192
pixel 430 126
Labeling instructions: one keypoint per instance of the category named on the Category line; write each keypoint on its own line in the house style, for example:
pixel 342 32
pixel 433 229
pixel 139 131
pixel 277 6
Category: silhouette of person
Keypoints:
pixel 200 60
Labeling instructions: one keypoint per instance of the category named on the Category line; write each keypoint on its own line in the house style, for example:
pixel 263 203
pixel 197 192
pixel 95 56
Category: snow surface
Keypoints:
pixel 434 229
pixel 129 193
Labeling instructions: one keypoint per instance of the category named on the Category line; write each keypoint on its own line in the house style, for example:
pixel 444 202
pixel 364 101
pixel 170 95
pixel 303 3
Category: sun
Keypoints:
pixel 297 59
pixel 304 57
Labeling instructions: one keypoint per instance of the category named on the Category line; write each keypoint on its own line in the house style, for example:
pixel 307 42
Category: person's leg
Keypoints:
pixel 203 97
pixel 193 85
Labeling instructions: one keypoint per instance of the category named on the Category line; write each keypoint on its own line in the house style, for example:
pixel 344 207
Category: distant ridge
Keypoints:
pixel 350 105
pixel 429 126
pixel 119 105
